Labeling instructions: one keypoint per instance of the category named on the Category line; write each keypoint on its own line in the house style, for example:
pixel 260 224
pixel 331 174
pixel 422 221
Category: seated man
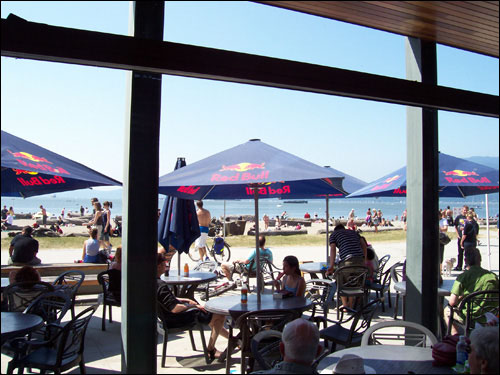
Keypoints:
pixel 23 248
pixel 239 266
pixel 176 313
pixel 473 280
pixel 299 347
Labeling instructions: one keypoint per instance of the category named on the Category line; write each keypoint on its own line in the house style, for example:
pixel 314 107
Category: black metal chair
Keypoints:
pixel 70 282
pixel 252 323
pixel 20 295
pixel 360 322
pixel 476 305
pixel 51 307
pixel 268 271
pixel 208 266
pixel 351 283
pixel 110 280
pixel 322 293
pixel 63 351
pixel 379 272
pixel 165 330
pixel 384 285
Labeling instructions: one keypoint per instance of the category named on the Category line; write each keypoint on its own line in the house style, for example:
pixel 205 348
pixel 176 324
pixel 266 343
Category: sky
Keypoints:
pixel 79 112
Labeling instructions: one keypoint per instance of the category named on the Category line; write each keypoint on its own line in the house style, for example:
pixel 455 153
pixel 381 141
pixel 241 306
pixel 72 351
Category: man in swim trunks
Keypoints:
pixel 204 219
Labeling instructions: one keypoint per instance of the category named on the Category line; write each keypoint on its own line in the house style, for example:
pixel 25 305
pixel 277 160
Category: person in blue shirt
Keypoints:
pixel 239 266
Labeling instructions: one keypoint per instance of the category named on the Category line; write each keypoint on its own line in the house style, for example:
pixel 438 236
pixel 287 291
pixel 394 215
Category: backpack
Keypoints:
pixel 218 245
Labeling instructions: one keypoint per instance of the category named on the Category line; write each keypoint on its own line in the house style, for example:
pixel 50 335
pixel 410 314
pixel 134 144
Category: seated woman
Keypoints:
pixel 175 312
pixel 293 283
pixel 117 260
pixel 91 247
pixel 351 225
pixel 25 274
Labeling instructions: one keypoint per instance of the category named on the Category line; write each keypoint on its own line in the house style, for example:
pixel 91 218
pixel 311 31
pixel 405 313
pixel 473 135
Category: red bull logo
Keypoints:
pixel 460 173
pixel 391 179
pixel 39 180
pixel 31 161
pixel 268 190
pixel 386 184
pixel 242 173
pixel 20 171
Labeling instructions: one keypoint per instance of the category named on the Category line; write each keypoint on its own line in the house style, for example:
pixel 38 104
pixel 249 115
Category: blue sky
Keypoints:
pixel 79 111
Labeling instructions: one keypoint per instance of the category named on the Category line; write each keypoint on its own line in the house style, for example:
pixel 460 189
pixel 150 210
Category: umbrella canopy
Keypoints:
pixel 457 178
pixel 29 170
pixel 231 173
pixel 178 223
pixel 252 169
pixel 349 184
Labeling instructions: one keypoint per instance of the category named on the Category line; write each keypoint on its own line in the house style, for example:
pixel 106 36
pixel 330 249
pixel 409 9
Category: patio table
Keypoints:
pixel 184 286
pixel 313 268
pixel 389 359
pixel 17 324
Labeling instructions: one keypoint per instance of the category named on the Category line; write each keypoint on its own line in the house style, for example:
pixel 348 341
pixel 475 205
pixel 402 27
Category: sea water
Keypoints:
pixel 391 207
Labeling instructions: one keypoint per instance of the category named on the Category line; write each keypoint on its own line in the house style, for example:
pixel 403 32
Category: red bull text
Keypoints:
pixel 468 180
pixel 268 190
pixel 38 180
pixel 191 190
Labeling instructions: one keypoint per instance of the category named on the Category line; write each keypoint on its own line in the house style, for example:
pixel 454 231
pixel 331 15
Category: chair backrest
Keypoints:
pixel 397 272
pixel 363 318
pixel 253 322
pixel 476 305
pixel 20 295
pixel 383 332
pixel 70 280
pixel 50 306
pixel 110 280
pixel 351 277
pixel 321 292
pixel 208 266
pixel 72 338
pixel 377 275
pixel 265 347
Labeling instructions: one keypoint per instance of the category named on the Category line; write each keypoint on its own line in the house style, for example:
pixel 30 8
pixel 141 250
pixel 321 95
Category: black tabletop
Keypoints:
pixel 193 278
pixel 16 324
pixel 388 359
pixel 231 305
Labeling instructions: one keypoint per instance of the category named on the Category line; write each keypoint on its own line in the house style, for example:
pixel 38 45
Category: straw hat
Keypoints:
pixel 351 364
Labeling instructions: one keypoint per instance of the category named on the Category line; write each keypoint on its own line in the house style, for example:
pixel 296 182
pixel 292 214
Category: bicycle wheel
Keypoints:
pixel 224 255
pixel 194 254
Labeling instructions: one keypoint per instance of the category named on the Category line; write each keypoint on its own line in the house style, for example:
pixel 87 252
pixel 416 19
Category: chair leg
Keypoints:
pixel 193 345
pixel 10 367
pixel 204 344
pixel 164 350
pixel 110 316
pixel 83 370
pixel 389 297
pixel 229 351
pixel 396 306
pixel 243 364
pixel 103 323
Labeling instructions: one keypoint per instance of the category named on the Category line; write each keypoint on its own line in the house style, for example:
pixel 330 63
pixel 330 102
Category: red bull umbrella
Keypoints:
pixel 29 170
pixel 457 178
pixel 252 170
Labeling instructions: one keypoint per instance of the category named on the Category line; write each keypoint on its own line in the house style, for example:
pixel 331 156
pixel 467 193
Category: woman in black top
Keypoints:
pixel 469 234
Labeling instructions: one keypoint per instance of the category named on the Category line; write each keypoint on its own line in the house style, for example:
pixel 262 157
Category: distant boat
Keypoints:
pixel 295 202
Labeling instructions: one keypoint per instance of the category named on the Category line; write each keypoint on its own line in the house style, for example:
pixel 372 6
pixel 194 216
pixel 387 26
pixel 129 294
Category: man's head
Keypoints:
pixel 27 230
pixel 483 358
pixel 339 227
pixel 160 264
pixel 464 210
pixel 262 241
pixel 199 204
pixel 472 257
pixel 300 342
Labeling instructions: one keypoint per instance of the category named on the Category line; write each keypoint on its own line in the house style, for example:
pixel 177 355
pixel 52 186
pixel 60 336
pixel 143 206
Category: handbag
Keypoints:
pixel 444 239
pixel 444 352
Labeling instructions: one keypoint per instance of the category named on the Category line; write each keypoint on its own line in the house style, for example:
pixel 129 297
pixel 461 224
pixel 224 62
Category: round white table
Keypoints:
pixel 184 286
pixel 389 359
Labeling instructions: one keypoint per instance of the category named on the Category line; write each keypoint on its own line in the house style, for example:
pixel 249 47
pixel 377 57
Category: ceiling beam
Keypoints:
pixel 30 40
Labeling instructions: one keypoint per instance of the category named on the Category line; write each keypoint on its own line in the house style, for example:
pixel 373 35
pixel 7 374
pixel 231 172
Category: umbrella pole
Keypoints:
pixel 224 223
pixel 257 249
pixel 488 231
pixel 327 227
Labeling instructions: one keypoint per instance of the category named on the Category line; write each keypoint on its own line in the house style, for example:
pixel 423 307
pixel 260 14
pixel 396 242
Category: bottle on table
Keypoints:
pixel 244 293
pixel 462 354
pixel 186 270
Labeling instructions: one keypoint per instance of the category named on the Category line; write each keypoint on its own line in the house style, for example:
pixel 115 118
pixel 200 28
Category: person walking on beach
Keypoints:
pixel 4 212
pixel 459 228
pixel 82 210
pixel 106 219
pixel 204 219
pixel 266 222
pixel 44 216
pixel 368 218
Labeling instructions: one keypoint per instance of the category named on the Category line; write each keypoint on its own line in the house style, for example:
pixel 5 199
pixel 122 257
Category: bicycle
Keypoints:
pixel 220 250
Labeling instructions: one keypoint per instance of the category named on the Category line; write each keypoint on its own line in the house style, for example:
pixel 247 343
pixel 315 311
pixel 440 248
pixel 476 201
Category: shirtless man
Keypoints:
pixel 204 219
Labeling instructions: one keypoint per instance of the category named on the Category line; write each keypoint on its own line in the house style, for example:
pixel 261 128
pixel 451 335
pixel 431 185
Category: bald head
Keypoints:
pixel 301 341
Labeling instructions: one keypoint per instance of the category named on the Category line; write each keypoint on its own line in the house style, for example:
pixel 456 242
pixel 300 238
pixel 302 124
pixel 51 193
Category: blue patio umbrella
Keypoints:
pixel 29 170
pixel 457 178
pixel 251 170
pixel 178 223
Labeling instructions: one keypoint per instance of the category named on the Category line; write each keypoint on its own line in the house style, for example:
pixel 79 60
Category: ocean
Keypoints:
pixel 72 200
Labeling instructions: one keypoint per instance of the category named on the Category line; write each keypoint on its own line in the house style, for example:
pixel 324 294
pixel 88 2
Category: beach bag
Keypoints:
pixel 444 352
pixel 444 239
pixel 218 245
pixel 102 257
